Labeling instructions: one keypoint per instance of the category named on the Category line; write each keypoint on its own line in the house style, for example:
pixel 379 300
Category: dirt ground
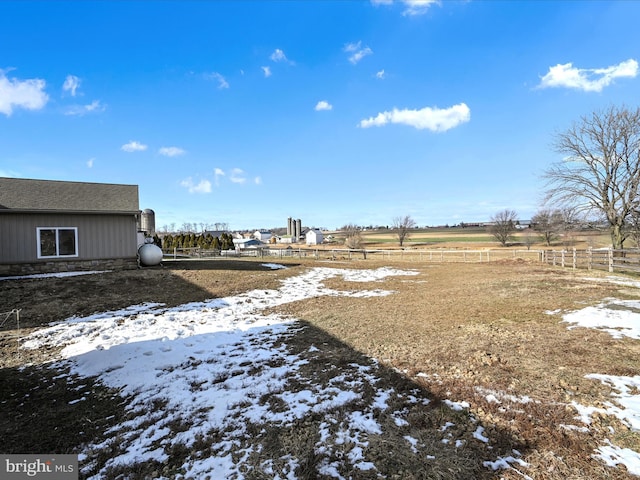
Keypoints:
pixel 457 330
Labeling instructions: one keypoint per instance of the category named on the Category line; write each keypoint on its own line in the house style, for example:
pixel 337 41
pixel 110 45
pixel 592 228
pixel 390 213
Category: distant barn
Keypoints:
pixel 262 235
pixel 314 236
pixel 55 226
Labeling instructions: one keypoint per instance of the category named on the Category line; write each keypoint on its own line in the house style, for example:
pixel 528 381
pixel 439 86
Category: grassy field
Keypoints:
pixel 467 333
pixel 476 237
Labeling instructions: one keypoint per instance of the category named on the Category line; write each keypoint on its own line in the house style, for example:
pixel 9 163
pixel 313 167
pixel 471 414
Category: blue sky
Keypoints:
pixel 335 112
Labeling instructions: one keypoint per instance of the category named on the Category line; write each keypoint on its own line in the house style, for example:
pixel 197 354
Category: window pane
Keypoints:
pixel 67 242
pixel 47 243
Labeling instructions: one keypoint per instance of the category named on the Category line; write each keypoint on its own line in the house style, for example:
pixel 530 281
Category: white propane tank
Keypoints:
pixel 150 254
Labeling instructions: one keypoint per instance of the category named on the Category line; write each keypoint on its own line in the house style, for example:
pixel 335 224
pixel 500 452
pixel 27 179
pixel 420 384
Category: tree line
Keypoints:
pixel 205 241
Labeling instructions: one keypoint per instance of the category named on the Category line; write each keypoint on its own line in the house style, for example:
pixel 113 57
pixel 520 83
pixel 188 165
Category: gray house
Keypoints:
pixel 54 226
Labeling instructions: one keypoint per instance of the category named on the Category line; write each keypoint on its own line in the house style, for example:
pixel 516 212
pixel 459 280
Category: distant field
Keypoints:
pixel 433 239
pixel 478 238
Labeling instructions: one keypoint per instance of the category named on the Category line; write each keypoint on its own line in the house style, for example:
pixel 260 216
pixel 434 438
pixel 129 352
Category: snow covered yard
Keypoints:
pixel 235 388
pixel 619 318
pixel 216 391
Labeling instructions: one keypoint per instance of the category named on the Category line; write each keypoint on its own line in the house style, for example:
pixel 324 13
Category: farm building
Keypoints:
pixel 262 235
pixel 314 236
pixel 244 243
pixel 56 226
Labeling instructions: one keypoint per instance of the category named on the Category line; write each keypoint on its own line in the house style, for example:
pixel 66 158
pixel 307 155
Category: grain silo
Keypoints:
pixel 148 221
pixel 298 229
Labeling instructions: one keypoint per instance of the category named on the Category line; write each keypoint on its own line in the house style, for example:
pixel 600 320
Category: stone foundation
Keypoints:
pixel 60 266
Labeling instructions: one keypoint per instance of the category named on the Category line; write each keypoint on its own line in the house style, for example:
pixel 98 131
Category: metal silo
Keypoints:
pixel 298 229
pixel 148 221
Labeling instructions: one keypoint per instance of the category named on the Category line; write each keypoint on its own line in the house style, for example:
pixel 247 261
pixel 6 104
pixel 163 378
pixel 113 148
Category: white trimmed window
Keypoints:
pixel 54 242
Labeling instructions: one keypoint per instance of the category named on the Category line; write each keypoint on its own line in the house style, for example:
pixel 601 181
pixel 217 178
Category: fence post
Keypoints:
pixel 589 258
pixel 574 258
pixel 563 252
pixel 611 260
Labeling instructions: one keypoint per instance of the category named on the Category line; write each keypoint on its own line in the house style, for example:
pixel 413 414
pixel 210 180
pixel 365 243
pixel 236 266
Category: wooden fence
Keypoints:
pixel 601 259
pixel 440 256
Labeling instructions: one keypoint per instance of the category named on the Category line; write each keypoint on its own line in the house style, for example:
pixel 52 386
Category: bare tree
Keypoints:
pixel 352 236
pixel 548 224
pixel 634 230
pixel 503 225
pixel 403 226
pixel 601 170
pixel 529 237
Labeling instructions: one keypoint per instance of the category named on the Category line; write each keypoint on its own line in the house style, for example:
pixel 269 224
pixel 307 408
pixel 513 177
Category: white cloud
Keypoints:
pixel 323 105
pixel 90 162
pixel 267 71
pixel 413 7
pixel 357 51
pixel 71 84
pixel 218 172
pixel 171 151
pixel 133 146
pixel 27 94
pixel 418 7
pixel 204 186
pixel 587 79
pixel 434 119
pixel 237 176
pixel 93 107
pixel 380 75
pixel 279 56
pixel 222 83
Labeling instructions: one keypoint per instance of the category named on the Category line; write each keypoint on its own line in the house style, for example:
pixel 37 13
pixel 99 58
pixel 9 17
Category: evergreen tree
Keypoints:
pixel 168 242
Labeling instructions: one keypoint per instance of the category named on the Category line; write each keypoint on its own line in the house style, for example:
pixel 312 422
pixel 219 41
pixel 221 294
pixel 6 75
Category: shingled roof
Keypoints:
pixel 26 195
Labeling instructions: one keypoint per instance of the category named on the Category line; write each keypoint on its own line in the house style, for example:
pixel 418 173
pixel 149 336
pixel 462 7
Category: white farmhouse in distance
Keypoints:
pixel 314 236
pixel 262 235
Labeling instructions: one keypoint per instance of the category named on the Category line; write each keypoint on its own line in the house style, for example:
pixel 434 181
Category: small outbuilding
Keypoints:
pixel 314 236
pixel 57 226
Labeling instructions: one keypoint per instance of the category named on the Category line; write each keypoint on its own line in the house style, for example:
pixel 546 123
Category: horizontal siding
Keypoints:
pixel 99 236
